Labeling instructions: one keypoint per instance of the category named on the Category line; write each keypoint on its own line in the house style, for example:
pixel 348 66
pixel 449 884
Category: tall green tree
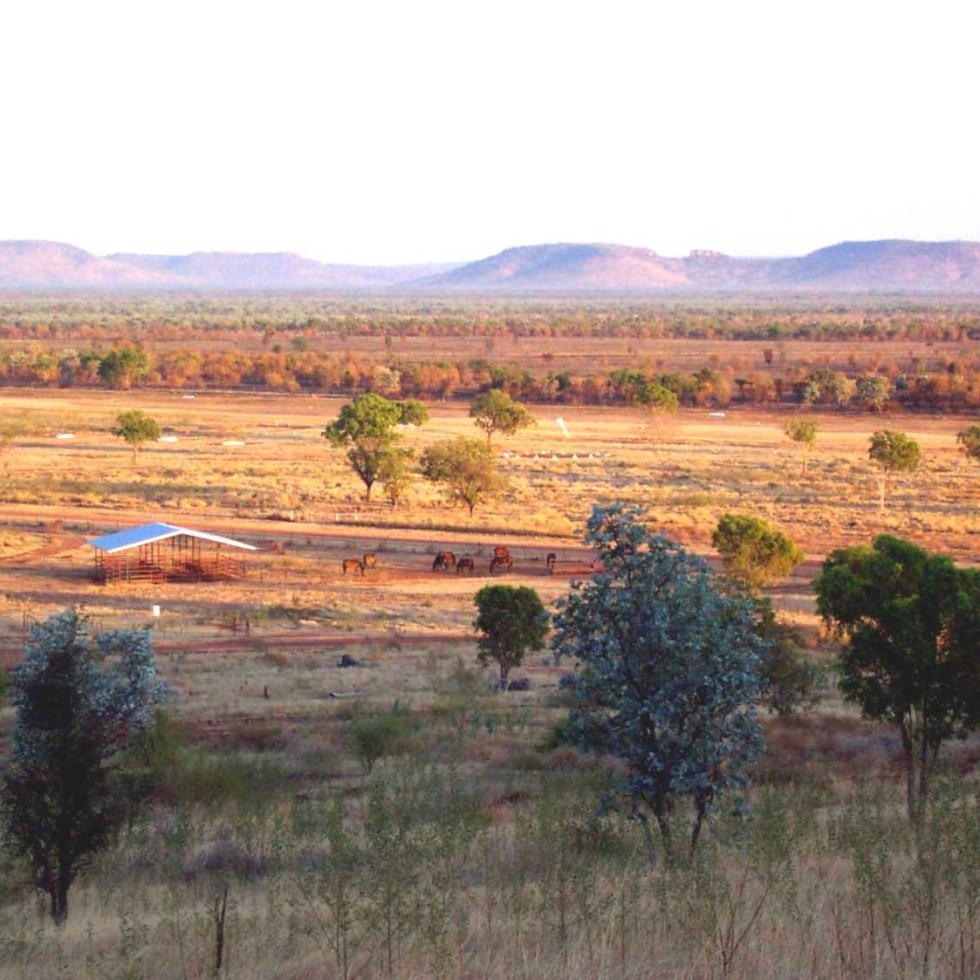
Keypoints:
pixel 367 428
pixel 909 625
pixel 512 620
pixel 465 468
pixel 135 427
pixel 668 674
pixel 79 701
pixel 892 452
pixel 754 553
pixel 496 411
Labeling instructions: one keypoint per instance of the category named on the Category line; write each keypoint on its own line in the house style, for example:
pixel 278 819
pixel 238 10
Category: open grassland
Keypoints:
pixel 468 847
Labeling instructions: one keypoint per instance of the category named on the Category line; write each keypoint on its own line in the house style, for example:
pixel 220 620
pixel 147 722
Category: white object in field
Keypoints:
pixel 186 396
pixel 560 422
pixel 233 442
pixel 156 611
pixel 717 415
pixel 167 439
pixel 65 435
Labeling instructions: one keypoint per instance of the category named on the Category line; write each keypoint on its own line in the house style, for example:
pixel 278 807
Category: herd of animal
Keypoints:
pixel 502 561
pixel 446 561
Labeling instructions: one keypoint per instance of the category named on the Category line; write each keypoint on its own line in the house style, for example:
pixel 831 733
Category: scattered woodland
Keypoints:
pixel 412 740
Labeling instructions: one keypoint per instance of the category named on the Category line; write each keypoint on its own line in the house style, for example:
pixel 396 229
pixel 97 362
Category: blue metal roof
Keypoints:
pixel 148 533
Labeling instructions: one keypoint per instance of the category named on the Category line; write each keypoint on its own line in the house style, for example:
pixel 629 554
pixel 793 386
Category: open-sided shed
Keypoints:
pixel 167 553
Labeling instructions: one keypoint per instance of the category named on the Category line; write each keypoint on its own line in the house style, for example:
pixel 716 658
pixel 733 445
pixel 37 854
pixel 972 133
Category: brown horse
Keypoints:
pixel 465 565
pixel 499 563
pixel 353 565
pixel 551 559
pixel 369 560
pixel 444 561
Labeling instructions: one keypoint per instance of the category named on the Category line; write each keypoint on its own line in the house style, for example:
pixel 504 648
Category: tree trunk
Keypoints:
pixel 700 809
pixel 59 900
pixel 923 792
pixel 908 756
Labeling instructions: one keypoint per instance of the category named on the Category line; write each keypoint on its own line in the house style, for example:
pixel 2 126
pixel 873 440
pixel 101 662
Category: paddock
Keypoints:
pixel 167 553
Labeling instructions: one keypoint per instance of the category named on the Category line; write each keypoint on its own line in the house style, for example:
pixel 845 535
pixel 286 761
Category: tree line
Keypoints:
pixel 271 317
pixel 952 386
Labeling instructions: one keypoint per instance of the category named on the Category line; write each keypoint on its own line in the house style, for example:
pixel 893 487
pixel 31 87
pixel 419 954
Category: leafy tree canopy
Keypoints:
pixel 874 390
pixel 366 426
pixel 136 427
pixel 123 367
pixel 512 620
pixel 802 432
pixel 668 673
pixel 78 701
pixel 754 553
pixel 496 411
pixel 893 452
pixel 909 623
pixel 373 416
pixel 465 468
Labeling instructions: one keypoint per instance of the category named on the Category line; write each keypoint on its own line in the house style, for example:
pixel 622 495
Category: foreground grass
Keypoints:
pixel 470 845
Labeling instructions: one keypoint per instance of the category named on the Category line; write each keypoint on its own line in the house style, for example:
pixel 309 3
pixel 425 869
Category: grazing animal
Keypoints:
pixel 499 562
pixel 465 565
pixel 444 561
pixel 353 565
pixel 550 560
pixel 502 551
pixel 369 560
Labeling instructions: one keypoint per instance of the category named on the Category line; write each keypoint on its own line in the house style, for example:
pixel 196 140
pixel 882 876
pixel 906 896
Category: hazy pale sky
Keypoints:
pixel 392 132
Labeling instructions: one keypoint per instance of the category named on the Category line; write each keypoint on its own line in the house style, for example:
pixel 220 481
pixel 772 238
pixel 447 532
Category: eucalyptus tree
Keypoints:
pixel 668 674
pixel 79 700
pixel 803 434
pixel 892 452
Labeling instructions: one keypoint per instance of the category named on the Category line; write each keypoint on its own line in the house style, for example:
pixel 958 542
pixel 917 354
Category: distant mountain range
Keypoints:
pixel 880 266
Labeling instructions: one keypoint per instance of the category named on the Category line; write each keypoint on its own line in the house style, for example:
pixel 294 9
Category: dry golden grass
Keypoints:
pixel 285 490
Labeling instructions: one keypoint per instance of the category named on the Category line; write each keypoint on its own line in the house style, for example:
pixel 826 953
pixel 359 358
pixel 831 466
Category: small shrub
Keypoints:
pixel 373 736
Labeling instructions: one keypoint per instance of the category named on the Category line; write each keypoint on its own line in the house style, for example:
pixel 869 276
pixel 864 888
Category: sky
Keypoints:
pixel 430 130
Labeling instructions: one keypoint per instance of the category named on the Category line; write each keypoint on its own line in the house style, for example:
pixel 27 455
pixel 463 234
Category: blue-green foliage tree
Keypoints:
pixel 79 701
pixel 668 674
